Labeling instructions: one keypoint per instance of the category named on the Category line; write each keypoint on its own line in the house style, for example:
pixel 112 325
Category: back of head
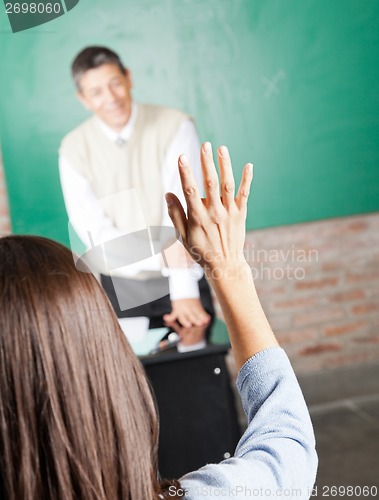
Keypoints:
pixel 91 58
pixel 77 417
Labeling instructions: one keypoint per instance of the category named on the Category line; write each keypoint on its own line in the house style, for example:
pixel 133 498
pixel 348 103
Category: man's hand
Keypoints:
pixel 189 336
pixel 188 312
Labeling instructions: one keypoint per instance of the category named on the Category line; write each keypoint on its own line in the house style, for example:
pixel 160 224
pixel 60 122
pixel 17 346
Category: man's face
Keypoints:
pixel 106 92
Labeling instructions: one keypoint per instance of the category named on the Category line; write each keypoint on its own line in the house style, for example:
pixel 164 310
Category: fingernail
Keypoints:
pixel 223 150
pixel 169 200
pixel 250 168
pixel 207 147
pixel 183 160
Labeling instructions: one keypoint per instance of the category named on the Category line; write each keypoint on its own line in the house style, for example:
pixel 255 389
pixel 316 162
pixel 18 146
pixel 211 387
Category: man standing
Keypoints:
pixel 115 168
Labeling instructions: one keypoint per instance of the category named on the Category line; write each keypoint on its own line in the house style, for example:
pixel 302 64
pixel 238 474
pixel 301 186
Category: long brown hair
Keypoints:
pixel 77 418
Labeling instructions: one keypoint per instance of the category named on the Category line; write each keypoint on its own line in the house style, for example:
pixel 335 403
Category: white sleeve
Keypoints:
pixel 183 282
pixel 93 227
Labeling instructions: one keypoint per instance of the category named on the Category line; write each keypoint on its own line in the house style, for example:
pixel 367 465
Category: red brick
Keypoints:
pixel 367 308
pixel 372 339
pixel 316 284
pixel 316 316
pixel 348 296
pixel 366 276
pixel 332 266
pixel 296 303
pixel 332 331
pixel 357 226
pixel 319 349
pixel 352 358
pixel 296 336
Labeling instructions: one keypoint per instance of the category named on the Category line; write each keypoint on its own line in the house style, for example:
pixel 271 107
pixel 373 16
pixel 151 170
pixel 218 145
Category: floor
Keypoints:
pixel 344 406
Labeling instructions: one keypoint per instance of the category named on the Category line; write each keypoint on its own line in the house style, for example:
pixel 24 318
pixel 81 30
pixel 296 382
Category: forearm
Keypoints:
pixel 248 327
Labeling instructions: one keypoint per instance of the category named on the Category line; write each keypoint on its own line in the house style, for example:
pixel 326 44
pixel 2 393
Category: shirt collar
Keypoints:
pixel 126 132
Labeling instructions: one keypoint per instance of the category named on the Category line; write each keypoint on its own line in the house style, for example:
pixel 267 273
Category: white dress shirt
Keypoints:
pixel 85 213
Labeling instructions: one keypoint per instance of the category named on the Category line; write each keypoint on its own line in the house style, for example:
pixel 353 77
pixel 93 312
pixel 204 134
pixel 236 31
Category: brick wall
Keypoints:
pixel 4 213
pixel 319 285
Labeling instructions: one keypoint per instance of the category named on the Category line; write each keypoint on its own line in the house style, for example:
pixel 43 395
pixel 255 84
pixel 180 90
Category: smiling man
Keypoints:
pixel 115 168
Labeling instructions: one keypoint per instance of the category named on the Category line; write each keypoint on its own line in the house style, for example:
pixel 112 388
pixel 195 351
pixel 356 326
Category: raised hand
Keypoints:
pixel 213 231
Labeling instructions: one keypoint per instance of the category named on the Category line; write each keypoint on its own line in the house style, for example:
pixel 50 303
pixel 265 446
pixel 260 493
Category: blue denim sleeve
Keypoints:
pixel 276 457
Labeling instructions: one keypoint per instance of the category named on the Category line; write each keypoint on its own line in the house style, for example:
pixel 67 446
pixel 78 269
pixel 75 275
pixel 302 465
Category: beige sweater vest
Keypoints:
pixel 126 179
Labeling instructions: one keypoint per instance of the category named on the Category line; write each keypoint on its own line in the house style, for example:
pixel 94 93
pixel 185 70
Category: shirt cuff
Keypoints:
pixel 183 284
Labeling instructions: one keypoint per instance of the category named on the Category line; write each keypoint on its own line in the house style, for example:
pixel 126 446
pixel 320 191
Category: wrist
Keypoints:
pixel 227 271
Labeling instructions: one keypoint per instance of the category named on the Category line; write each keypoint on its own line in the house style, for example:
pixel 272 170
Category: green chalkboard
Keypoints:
pixel 291 85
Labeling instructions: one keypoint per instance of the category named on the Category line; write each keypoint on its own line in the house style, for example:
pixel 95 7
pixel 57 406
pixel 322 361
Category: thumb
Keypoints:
pixel 177 214
pixel 170 317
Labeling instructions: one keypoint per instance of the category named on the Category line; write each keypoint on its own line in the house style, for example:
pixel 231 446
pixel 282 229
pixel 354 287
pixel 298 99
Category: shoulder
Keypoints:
pixel 158 113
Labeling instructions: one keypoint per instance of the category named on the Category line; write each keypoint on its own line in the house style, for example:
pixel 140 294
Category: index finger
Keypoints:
pixel 244 189
pixel 189 186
